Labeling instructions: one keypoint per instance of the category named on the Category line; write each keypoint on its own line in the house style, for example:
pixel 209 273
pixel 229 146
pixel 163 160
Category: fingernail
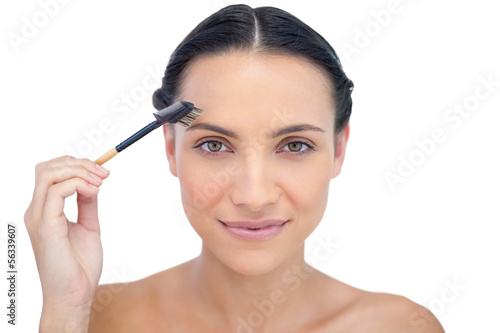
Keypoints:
pixel 95 177
pixel 101 168
pixel 95 187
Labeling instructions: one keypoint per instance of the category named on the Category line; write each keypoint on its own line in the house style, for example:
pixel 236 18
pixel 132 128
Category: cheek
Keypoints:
pixel 200 186
pixel 308 191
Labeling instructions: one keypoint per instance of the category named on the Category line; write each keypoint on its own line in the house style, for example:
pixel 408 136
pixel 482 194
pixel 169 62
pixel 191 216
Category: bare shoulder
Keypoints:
pixel 393 313
pixel 115 306
pixel 355 310
pixel 345 308
pixel 136 306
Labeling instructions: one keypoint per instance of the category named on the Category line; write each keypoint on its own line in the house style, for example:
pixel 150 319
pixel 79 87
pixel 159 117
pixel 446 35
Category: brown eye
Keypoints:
pixel 295 146
pixel 214 146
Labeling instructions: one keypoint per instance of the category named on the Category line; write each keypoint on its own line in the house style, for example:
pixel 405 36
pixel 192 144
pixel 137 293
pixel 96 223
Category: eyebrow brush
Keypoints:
pixel 180 112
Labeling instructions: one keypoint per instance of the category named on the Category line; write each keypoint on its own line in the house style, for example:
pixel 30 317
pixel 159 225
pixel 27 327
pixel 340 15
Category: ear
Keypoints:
pixel 168 133
pixel 340 148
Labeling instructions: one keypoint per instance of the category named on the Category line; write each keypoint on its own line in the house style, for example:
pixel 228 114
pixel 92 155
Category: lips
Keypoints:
pixel 255 230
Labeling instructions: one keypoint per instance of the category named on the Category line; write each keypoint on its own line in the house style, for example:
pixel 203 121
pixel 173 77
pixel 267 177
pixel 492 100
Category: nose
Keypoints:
pixel 256 186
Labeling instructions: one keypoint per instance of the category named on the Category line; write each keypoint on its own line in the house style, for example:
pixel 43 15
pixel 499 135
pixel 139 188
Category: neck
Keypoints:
pixel 255 302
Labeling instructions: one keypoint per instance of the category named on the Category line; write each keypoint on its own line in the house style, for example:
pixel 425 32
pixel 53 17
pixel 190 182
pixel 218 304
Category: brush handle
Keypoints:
pixel 141 133
pixel 138 135
pixel 106 157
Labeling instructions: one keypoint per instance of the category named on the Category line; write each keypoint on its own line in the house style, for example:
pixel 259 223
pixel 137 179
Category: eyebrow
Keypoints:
pixel 281 131
pixel 297 128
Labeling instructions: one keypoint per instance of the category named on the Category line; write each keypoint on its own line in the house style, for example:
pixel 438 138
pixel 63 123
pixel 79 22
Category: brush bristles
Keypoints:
pixel 188 119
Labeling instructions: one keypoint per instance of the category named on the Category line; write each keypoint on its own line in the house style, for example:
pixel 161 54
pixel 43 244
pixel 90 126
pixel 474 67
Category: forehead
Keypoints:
pixel 253 88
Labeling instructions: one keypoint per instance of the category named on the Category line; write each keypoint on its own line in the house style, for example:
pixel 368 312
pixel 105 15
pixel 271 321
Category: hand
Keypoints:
pixel 68 255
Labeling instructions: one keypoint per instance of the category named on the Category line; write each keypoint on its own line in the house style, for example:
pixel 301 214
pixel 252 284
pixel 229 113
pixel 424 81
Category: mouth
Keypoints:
pixel 255 230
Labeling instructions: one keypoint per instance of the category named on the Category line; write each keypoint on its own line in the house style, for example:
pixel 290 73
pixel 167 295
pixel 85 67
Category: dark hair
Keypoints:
pixel 266 29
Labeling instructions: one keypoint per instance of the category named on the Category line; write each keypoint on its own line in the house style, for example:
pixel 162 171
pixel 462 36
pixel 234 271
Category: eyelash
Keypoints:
pixel 213 154
pixel 309 149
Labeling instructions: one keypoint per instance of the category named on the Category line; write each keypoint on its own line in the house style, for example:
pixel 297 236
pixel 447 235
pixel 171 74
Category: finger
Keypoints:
pixel 34 211
pixel 87 212
pixel 53 220
pixel 58 170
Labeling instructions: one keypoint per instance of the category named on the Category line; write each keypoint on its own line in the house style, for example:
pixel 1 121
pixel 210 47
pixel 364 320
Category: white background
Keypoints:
pixel 439 226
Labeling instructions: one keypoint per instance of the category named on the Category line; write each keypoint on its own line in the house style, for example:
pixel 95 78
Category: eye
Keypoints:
pixel 212 146
pixel 296 147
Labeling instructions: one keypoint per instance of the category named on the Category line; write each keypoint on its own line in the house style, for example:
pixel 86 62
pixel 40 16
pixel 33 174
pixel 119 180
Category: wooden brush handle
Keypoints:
pixel 106 157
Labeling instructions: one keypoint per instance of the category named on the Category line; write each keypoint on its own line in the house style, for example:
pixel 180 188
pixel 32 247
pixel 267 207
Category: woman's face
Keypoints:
pixel 255 168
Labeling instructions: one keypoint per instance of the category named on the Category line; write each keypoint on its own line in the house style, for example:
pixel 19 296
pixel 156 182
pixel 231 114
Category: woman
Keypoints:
pixel 254 172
